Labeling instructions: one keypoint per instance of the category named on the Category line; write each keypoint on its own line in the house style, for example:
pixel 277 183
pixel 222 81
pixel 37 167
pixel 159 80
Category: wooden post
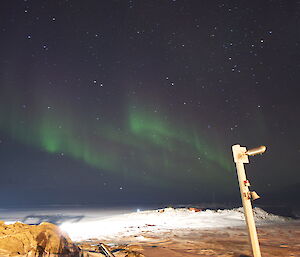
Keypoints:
pixel 105 250
pixel 240 156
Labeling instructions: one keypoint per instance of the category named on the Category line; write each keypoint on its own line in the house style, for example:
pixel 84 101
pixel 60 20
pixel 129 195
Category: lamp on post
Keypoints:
pixel 240 156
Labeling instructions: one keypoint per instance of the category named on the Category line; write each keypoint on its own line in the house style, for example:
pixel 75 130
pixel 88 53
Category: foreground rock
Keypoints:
pixel 35 240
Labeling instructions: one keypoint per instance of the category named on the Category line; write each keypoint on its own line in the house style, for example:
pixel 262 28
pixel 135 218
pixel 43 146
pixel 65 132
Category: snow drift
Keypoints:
pixel 163 220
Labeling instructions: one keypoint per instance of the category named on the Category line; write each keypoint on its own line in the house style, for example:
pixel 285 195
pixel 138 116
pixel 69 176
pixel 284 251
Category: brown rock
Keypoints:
pixel 134 254
pixel 46 238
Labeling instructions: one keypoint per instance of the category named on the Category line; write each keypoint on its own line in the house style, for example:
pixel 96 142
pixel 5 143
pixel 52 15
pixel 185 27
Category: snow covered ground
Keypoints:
pixel 83 224
pixel 167 232
pixel 163 220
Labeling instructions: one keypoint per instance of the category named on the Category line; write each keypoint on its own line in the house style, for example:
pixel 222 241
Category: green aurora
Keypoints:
pixel 145 147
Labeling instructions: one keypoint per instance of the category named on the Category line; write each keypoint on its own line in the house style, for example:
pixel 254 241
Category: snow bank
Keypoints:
pixel 162 220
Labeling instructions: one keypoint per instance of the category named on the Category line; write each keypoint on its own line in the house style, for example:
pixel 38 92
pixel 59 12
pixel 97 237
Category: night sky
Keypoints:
pixel 123 102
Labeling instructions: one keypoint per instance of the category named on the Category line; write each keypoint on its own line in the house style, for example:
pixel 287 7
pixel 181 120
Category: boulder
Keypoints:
pixel 35 240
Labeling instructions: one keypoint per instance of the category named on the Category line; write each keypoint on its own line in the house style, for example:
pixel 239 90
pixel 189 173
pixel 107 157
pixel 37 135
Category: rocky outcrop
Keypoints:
pixel 45 239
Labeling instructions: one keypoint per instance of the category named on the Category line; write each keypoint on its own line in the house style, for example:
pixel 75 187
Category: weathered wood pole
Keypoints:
pixel 240 156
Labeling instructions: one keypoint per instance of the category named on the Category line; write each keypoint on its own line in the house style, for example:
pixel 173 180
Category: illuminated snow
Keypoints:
pixel 133 224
